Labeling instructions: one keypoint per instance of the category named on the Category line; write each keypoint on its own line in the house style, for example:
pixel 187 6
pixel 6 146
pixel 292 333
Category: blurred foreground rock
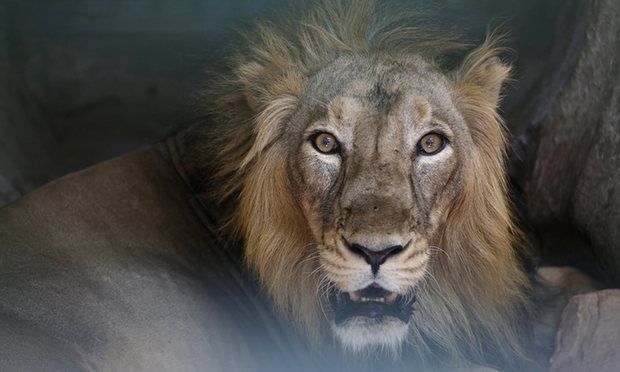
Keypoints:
pixel 589 334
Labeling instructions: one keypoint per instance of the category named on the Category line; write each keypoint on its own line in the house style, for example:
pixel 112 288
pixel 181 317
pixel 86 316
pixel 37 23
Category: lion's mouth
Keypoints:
pixel 371 302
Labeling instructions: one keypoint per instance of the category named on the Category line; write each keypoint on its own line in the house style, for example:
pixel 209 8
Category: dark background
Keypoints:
pixel 85 80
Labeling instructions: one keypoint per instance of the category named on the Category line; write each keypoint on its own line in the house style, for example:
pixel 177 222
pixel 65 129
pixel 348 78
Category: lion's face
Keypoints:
pixel 366 181
pixel 376 163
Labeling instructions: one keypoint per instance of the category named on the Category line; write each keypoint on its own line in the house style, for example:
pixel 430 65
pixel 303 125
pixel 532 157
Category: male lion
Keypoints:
pixel 368 183
pixel 365 182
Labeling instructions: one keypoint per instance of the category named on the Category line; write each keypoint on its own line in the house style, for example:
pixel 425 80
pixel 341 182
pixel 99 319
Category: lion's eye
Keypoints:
pixel 325 143
pixel 431 144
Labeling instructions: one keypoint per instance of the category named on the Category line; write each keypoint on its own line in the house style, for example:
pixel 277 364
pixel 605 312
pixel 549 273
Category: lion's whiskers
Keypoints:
pixel 434 248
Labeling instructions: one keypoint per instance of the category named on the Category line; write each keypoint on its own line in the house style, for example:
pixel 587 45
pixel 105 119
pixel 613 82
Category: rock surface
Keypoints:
pixel 557 285
pixel 589 334
pixel 23 143
pixel 576 175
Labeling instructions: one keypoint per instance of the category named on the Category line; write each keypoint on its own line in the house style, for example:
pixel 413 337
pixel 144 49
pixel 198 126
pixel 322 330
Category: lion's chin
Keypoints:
pixel 361 334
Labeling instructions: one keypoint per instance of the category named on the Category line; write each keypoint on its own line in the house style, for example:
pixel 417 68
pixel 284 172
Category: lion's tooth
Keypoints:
pixel 391 297
pixel 355 296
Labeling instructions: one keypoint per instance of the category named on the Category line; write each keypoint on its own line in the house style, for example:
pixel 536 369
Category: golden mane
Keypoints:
pixel 475 288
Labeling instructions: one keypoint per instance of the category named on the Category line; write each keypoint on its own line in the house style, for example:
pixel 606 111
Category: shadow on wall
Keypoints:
pixel 84 80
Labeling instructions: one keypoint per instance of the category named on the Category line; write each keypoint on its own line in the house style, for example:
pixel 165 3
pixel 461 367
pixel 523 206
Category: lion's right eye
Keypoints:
pixel 325 143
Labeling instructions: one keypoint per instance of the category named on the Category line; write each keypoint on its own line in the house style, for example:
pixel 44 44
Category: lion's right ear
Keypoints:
pixel 249 77
pixel 272 94
pixel 262 84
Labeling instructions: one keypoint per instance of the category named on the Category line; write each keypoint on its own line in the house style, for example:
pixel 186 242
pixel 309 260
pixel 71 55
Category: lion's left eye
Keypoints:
pixel 325 143
pixel 431 144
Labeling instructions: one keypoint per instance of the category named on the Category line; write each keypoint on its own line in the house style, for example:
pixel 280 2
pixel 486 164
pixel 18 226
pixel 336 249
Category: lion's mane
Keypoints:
pixel 475 289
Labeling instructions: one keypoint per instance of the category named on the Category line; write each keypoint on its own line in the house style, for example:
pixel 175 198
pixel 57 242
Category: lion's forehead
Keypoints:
pixel 379 80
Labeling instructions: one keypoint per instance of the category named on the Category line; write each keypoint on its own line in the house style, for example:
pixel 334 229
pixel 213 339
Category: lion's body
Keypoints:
pixel 473 289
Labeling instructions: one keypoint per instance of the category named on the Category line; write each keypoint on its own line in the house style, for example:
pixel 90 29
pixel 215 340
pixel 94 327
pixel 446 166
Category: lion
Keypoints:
pixel 367 182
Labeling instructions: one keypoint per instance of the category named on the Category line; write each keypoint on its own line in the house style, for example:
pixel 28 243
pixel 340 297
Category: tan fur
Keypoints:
pixel 475 286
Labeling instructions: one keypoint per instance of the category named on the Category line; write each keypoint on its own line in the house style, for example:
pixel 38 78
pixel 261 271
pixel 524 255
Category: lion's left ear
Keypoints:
pixel 478 87
pixel 480 77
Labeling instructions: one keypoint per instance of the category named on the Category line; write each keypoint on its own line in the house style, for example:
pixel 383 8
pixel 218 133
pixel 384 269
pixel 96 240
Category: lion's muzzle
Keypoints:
pixel 371 302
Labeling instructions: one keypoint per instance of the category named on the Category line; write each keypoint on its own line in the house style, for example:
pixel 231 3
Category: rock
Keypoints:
pixel 25 159
pixel 589 335
pixel 576 173
pixel 557 285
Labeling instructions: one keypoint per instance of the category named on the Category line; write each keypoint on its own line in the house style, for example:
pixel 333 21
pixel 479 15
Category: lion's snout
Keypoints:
pixel 373 256
pixel 353 262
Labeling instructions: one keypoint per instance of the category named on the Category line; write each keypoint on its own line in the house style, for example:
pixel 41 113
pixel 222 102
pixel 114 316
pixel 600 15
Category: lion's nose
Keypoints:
pixel 375 258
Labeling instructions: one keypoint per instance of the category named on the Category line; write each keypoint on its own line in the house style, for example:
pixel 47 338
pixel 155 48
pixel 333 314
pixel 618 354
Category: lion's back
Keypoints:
pixel 118 267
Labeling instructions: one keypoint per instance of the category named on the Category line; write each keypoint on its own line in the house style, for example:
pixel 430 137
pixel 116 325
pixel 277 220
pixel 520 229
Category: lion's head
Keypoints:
pixel 369 183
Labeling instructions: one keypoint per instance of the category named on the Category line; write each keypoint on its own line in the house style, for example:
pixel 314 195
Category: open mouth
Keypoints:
pixel 371 302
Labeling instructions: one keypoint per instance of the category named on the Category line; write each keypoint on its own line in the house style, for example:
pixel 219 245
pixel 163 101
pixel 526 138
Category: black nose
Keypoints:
pixel 375 258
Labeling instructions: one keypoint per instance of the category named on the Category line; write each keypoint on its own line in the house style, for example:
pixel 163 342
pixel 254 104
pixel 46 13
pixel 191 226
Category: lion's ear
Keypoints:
pixel 249 76
pixel 480 78
pixel 272 94
pixel 483 79
pixel 265 83
pixel 478 87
